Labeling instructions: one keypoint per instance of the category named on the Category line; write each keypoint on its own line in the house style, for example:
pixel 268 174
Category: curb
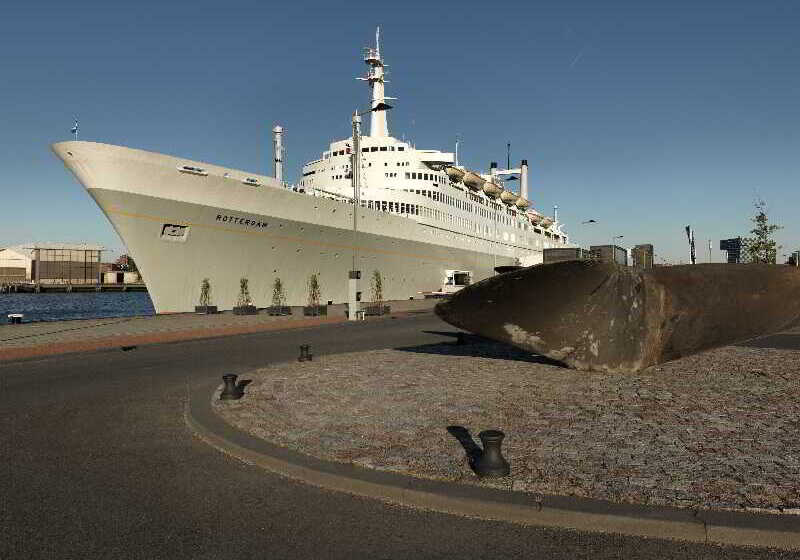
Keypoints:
pixel 700 526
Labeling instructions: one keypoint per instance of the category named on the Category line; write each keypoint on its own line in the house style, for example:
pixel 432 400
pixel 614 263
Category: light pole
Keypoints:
pixel 614 247
pixel 354 274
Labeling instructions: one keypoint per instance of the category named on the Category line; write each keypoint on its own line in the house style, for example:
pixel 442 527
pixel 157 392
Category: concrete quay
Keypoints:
pixel 47 338
pixel 701 449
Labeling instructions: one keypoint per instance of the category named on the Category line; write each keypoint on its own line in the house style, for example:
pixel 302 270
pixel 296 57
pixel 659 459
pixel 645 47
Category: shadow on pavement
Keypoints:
pixel 466 344
pixel 472 450
pixel 778 341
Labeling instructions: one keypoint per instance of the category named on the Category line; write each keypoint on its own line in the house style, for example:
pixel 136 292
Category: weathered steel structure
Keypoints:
pixel 599 316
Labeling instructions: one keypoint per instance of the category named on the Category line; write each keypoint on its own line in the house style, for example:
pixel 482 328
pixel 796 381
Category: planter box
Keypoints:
pixel 315 310
pixel 372 310
pixel 208 309
pixel 279 310
pixel 245 310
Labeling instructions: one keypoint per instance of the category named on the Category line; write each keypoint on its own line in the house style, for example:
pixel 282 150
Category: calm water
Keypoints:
pixel 61 307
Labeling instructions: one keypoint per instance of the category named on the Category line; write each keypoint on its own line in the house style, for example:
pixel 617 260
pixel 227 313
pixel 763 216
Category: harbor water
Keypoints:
pixel 67 306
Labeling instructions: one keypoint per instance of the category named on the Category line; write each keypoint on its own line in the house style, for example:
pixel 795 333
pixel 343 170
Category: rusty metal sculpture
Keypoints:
pixel 598 316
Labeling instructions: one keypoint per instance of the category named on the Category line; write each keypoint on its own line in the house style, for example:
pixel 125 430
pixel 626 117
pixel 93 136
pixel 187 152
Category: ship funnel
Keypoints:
pixel 523 179
pixel 277 149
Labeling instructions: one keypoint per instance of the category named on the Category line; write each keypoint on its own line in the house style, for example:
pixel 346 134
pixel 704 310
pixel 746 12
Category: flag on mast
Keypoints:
pixel 74 129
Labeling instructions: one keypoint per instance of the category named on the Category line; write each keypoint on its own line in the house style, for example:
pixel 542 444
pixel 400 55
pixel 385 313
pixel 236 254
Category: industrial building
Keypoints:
pixel 610 254
pixel 642 256
pixel 559 254
pixel 52 263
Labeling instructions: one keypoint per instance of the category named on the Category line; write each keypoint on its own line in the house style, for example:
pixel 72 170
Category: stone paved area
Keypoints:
pixel 716 430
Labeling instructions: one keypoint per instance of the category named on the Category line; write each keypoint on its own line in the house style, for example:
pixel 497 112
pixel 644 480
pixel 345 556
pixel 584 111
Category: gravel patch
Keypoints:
pixel 715 430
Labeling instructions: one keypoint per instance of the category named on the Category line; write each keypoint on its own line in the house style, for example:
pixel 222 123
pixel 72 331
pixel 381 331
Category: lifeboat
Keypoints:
pixel 455 174
pixel 473 180
pixel 547 222
pixel 522 204
pixel 509 197
pixel 492 189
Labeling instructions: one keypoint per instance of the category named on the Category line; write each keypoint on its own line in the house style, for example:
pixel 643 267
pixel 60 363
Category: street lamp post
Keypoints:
pixel 354 275
pixel 614 247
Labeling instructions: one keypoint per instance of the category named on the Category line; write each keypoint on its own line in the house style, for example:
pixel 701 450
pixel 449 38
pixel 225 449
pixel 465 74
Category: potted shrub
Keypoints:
pixel 278 306
pixel 205 298
pixel 244 304
pixel 376 286
pixel 313 308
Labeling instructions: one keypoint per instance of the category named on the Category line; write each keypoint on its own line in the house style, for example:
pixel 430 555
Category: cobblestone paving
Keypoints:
pixel 716 430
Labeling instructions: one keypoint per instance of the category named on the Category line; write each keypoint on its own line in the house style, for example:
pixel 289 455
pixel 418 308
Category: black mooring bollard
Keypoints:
pixel 305 353
pixel 491 463
pixel 230 391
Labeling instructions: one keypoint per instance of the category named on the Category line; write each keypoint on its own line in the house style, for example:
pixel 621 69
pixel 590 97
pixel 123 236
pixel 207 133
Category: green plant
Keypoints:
pixel 278 295
pixel 761 248
pixel 205 292
pixel 376 286
pixel 244 294
pixel 314 292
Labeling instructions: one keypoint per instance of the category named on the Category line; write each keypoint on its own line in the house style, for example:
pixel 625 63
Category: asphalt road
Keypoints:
pixel 98 463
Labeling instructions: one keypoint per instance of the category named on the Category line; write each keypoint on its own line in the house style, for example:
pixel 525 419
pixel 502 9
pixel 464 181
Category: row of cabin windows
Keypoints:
pixel 418 210
pixel 382 149
pixel 426 177
pixel 346 151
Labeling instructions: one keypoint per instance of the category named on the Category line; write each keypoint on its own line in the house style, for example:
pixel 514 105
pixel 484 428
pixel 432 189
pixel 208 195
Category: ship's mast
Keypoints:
pixel 375 77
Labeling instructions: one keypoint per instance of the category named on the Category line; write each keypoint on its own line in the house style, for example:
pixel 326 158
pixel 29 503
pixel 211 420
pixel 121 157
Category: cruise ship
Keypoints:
pixel 371 203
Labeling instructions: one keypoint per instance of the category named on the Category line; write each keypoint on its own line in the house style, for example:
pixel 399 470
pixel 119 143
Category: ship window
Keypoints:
pixel 413 175
pixel 373 149
pixel 425 176
pixel 392 148
pixel 364 149
pixel 384 148
pixel 408 175
pixel 400 148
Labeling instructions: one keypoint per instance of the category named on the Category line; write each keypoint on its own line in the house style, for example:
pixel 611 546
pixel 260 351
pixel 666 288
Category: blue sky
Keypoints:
pixel 645 116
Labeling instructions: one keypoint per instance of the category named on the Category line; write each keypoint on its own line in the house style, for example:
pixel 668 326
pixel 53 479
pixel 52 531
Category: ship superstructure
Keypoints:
pixel 425 223
pixel 429 187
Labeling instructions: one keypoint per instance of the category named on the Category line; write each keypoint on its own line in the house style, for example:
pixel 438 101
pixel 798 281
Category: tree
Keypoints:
pixel 377 287
pixel 314 292
pixel 278 295
pixel 792 261
pixel 205 292
pixel 244 294
pixel 761 248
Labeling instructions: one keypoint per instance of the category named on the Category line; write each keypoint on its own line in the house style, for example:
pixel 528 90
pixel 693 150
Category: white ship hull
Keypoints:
pixel 183 227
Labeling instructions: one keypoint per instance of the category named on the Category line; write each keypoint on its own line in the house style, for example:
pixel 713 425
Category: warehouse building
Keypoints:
pixel 642 256
pixel 52 263
pixel 610 254
pixel 561 254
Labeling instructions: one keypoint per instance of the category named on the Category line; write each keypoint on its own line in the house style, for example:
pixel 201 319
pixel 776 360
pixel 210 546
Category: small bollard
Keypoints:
pixel 491 463
pixel 305 354
pixel 230 391
pixel 15 318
